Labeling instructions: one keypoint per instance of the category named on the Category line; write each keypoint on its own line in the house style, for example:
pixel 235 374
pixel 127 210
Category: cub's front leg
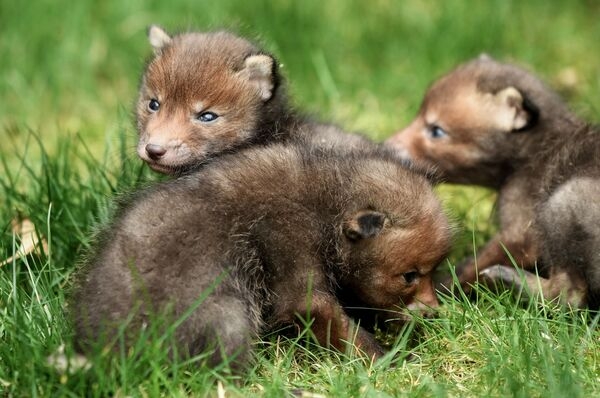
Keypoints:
pixel 517 241
pixel 331 326
pixel 501 249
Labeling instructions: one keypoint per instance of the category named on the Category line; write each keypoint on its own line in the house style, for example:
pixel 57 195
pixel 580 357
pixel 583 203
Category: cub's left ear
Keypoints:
pixel 485 57
pixel 159 39
pixel 260 71
pixel 364 224
pixel 513 111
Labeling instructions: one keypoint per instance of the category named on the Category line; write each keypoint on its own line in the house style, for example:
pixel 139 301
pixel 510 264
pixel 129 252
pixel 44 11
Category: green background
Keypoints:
pixel 69 72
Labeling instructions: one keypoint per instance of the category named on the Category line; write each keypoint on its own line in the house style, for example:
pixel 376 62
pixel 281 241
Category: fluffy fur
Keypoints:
pixel 285 228
pixel 206 94
pixel 497 125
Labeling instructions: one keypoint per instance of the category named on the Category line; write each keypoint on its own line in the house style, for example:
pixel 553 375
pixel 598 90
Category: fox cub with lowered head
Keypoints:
pixel 496 125
pixel 206 94
pixel 272 234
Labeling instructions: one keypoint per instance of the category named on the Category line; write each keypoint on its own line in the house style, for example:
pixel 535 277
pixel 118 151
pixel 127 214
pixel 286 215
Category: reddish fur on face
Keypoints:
pixel 467 153
pixel 417 249
pixel 195 73
pixel 403 256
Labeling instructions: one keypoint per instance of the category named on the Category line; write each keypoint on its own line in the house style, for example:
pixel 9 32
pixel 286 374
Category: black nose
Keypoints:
pixel 155 151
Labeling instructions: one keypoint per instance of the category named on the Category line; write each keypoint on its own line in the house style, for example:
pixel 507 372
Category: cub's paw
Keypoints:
pixel 501 277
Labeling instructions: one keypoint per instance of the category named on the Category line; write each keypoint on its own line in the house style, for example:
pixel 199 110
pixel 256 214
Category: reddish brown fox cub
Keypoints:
pixel 270 234
pixel 205 94
pixel 496 125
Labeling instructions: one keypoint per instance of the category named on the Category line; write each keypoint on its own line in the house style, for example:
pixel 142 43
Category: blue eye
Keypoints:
pixel 207 117
pixel 153 105
pixel 437 132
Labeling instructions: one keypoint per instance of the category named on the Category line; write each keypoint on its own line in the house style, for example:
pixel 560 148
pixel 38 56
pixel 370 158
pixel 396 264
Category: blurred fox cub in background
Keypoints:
pixel 497 125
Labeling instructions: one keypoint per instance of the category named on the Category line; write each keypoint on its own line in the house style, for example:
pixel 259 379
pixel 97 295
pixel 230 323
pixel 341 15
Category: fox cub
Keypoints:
pixel 496 125
pixel 206 94
pixel 276 232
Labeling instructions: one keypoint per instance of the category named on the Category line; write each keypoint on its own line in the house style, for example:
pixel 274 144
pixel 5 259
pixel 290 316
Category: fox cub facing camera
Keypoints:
pixel 206 94
pixel 497 125
pixel 289 230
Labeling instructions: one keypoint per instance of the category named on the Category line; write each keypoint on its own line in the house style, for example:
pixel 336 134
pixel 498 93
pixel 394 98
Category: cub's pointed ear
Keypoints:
pixel 260 71
pixel 159 39
pixel 513 112
pixel 364 224
pixel 485 57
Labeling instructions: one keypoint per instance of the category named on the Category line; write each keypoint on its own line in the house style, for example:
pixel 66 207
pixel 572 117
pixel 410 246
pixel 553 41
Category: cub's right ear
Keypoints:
pixel 364 224
pixel 159 39
pixel 513 111
pixel 260 71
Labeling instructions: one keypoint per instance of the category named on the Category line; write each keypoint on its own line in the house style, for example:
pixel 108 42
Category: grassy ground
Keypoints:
pixel 68 78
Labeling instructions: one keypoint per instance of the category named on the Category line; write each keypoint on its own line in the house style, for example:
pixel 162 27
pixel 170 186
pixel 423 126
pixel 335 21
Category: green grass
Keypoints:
pixel 68 79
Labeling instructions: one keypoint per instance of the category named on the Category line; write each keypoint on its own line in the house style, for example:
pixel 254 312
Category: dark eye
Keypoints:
pixel 153 105
pixel 437 132
pixel 207 117
pixel 410 277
